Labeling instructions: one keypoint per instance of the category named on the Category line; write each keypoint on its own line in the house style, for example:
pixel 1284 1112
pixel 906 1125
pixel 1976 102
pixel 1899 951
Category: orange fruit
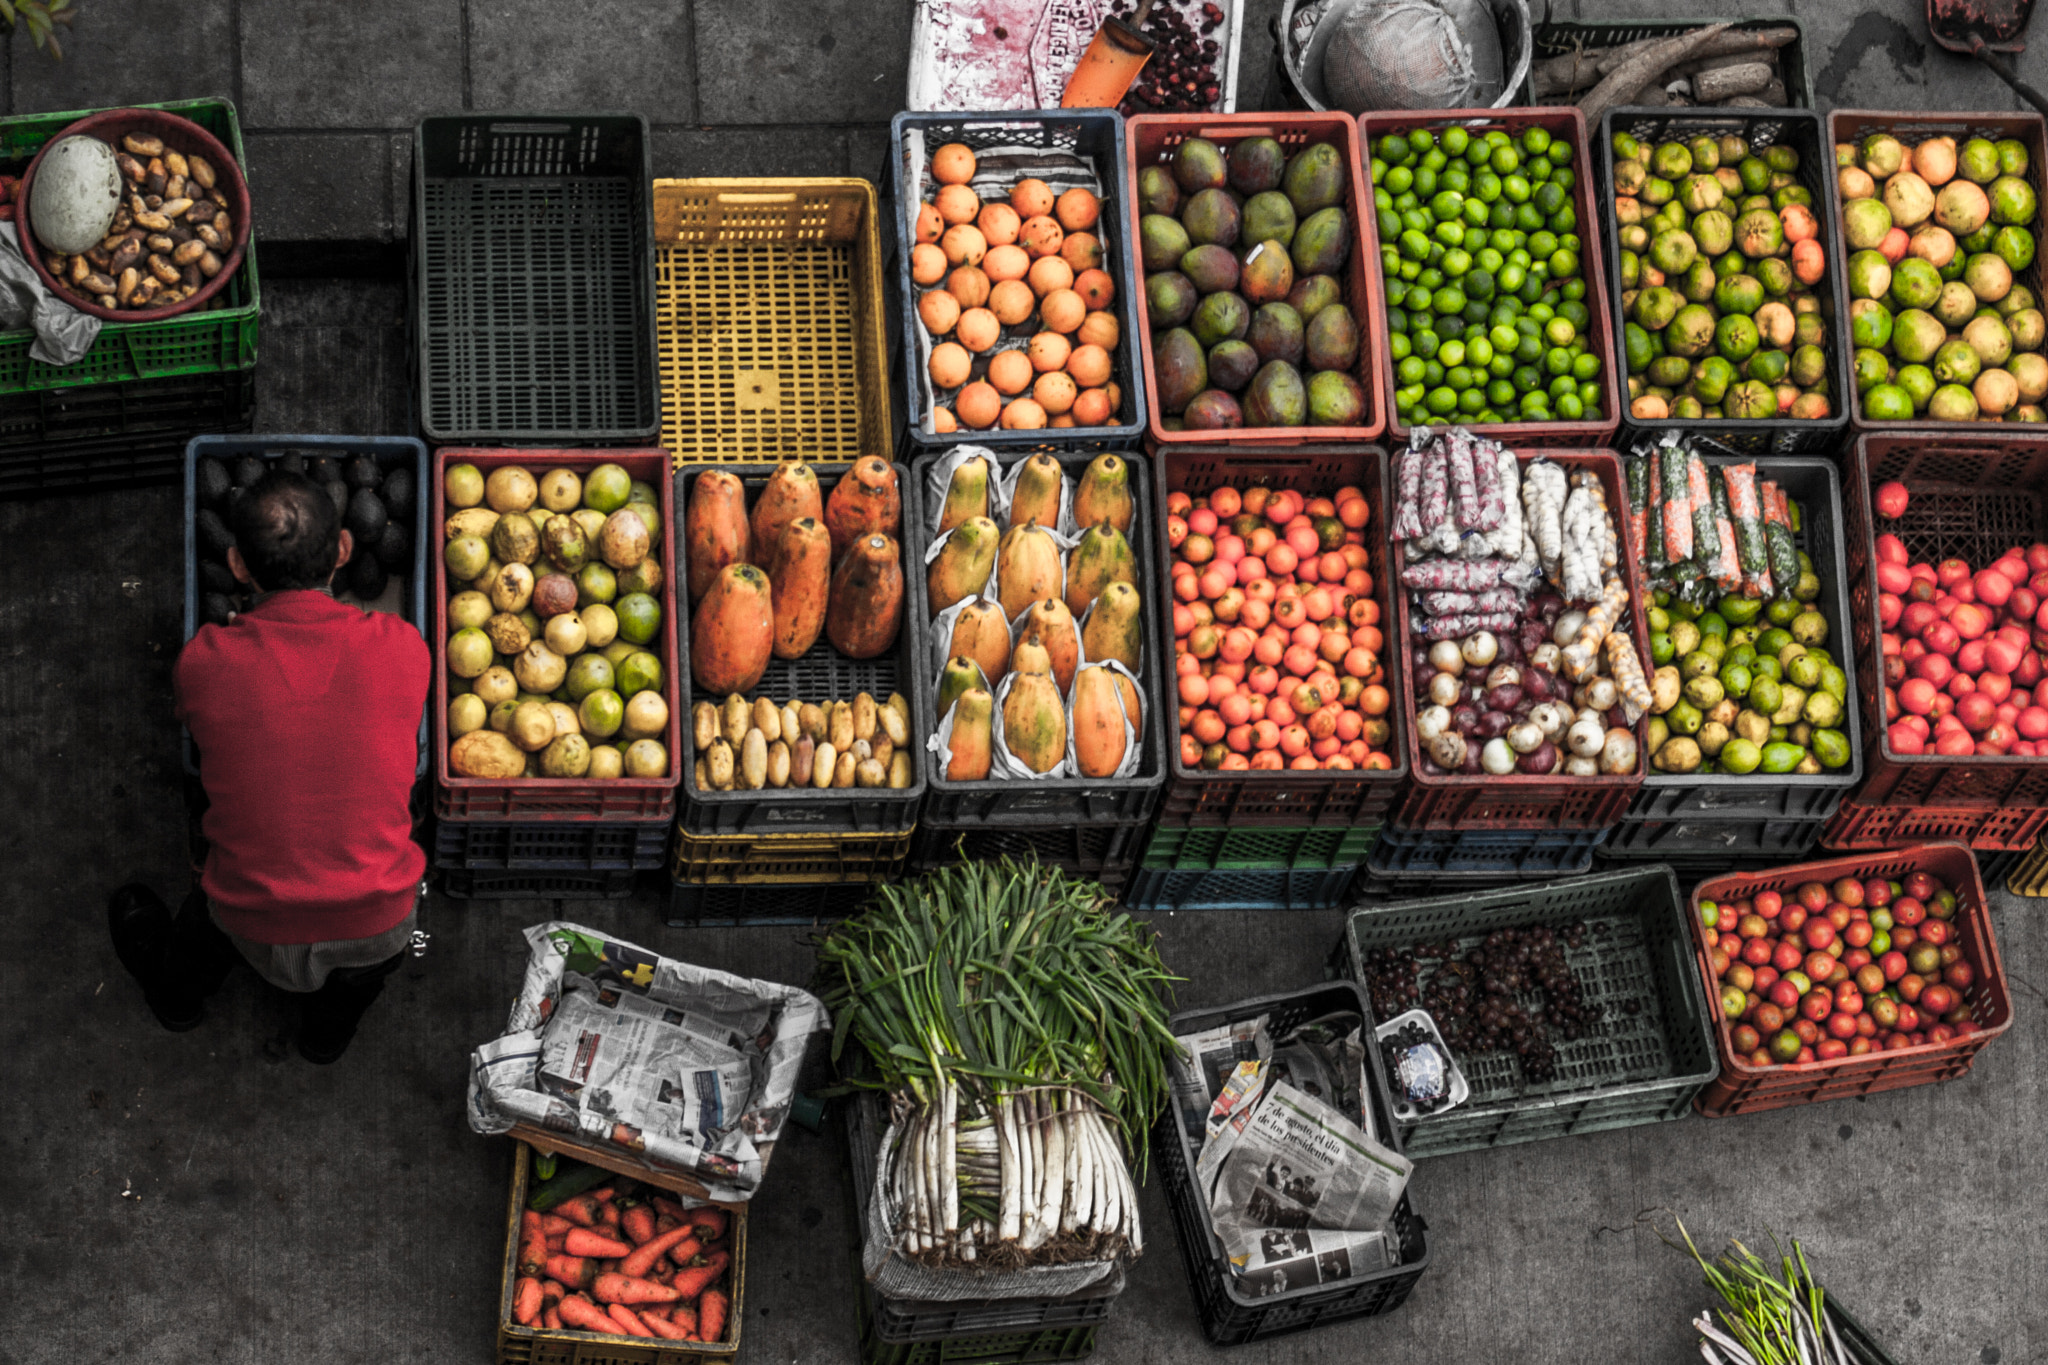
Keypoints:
pixel 957 204
pixel 950 364
pixel 938 310
pixel 1090 366
pixel 1049 273
pixel 999 223
pixel 1041 236
pixel 1010 372
pixel 942 421
pixel 1031 198
pixel 1095 288
pixel 1023 415
pixel 1081 251
pixel 953 164
pixel 1092 408
pixel 969 286
pixel 978 329
pixel 1062 311
pixel 1054 392
pixel 1099 329
pixel 927 263
pixel 1115 392
pixel 964 244
pixel 1006 263
pixel 1012 302
pixel 978 405
pixel 1077 209
pixel 1065 419
pixel 1049 351
pixel 929 224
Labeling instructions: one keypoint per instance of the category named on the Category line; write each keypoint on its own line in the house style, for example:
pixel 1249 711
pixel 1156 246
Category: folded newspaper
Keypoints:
pixel 673 1065
pixel 1299 1192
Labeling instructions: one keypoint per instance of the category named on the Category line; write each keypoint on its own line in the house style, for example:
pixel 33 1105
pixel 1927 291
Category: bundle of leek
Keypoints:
pixel 1020 1023
pixel 1765 1319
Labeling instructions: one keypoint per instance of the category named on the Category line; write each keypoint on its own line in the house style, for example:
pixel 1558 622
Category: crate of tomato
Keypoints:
pixel 1838 979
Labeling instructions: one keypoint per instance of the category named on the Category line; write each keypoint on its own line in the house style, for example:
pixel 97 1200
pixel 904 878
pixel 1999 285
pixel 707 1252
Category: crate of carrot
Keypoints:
pixel 602 1267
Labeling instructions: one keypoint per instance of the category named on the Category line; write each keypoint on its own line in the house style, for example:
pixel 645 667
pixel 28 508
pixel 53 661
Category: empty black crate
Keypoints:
pixel 461 845
pixel 103 437
pixel 594 886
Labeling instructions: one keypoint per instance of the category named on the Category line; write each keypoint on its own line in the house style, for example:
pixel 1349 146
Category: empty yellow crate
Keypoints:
pixel 768 320
pixel 811 858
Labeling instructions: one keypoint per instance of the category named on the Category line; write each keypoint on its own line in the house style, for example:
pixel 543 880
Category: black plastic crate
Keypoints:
pixel 1696 839
pixel 499 886
pixel 1280 888
pixel 694 905
pixel 1561 38
pixel 1056 800
pixel 1802 131
pixel 533 279
pixel 1413 853
pixel 1816 485
pixel 100 436
pixel 1106 853
pixel 388 451
pixel 1096 134
pixel 461 845
pixel 1231 1316
pixel 823 674
pixel 1864 1347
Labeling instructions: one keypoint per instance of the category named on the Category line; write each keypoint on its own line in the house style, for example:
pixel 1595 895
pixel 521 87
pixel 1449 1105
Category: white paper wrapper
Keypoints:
pixel 1134 750
pixel 1004 764
pixel 942 634
pixel 1066 518
pixel 939 478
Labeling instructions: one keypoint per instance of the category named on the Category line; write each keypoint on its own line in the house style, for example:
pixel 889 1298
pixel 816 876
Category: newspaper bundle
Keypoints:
pixel 677 1066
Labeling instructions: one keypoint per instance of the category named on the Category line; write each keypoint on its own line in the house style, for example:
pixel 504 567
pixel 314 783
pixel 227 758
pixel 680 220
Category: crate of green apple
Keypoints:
pixel 1719 245
pixel 1842 978
pixel 1940 215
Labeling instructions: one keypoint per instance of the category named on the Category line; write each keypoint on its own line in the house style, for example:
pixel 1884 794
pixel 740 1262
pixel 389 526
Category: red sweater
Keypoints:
pixel 306 713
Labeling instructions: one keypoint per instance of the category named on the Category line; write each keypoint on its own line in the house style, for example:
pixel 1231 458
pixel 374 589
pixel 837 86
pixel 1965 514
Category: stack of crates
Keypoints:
pixel 120 415
pixel 770 345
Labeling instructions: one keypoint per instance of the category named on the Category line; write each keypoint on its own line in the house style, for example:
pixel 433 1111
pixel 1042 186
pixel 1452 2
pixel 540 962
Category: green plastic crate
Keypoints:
pixel 1640 1067
pixel 1212 850
pixel 221 336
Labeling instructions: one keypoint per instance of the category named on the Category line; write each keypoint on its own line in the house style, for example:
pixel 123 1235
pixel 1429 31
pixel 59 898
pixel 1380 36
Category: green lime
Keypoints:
pixel 640 672
pixel 639 617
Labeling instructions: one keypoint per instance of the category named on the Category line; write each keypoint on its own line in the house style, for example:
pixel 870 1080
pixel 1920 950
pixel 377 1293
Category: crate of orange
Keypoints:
pixel 1839 979
pixel 1019 320
pixel 1277 557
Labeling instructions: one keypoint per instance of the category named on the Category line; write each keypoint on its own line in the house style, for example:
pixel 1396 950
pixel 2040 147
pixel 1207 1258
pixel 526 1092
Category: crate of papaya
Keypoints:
pixel 603 1267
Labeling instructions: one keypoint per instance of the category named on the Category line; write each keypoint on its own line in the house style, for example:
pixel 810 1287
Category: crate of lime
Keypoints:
pixel 378 485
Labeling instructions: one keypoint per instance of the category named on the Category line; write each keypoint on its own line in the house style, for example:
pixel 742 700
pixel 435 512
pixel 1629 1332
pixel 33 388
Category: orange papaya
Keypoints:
pixel 865 501
pixel 980 633
pixel 1036 497
pixel 959 676
pixel 963 564
pixel 1104 494
pixel 792 492
pixel 1051 625
pixel 800 582
pixel 866 607
pixel 1101 557
pixel 715 529
pixel 1035 720
pixel 1115 628
pixel 973 739
pixel 1099 739
pixel 1027 568
pixel 733 631
pixel 967 495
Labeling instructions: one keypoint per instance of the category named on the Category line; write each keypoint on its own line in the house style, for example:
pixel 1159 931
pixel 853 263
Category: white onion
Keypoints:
pixel 1503 675
pixel 1618 753
pixel 1601 694
pixel 1526 737
pixel 1448 749
pixel 1567 628
pixel 1549 718
pixel 1433 721
pixel 1586 738
pixel 1446 690
pixel 1480 648
pixel 1546 656
pixel 1581 767
pixel 1445 657
pixel 1497 757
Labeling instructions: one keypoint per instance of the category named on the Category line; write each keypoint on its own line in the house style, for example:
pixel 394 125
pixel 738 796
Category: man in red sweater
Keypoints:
pixel 306 714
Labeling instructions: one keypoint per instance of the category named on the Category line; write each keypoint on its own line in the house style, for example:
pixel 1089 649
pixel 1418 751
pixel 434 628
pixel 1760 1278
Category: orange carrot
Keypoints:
pixel 533 1253
pixel 554 1240
pixel 552 1224
pixel 711 1311
pixel 685 1317
pixel 638 1222
pixel 577 1272
pixel 629 1321
pixel 584 1242
pixel 671 1208
pixel 628 1289
pixel 642 1260
pixel 608 1216
pixel 551 1292
pixel 529 1222
pixel 710 1219
pixel 582 1313
pixel 663 1328
pixel 651 1312
pixel 582 1210
pixel 526 1301
pixel 694 1280
pixel 551 1319
pixel 602 1193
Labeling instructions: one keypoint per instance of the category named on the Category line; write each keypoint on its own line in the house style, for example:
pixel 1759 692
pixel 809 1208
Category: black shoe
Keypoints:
pixel 324 1049
pixel 141 927
pixel 176 1015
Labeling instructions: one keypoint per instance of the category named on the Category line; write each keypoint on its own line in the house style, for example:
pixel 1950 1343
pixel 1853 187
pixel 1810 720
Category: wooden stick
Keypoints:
pixel 1622 84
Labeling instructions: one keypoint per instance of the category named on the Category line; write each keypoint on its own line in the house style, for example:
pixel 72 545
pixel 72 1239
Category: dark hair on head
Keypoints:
pixel 288 532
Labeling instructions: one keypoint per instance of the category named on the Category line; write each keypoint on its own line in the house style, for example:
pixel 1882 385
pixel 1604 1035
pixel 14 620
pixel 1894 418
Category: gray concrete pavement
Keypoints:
pixel 208 1197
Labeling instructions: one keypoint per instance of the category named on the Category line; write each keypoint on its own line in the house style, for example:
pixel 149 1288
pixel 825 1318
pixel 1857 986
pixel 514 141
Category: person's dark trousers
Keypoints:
pixel 328 1017
pixel 196 961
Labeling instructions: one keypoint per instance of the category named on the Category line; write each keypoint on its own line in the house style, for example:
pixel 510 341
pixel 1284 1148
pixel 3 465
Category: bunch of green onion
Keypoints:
pixel 1779 1319
pixel 1022 1023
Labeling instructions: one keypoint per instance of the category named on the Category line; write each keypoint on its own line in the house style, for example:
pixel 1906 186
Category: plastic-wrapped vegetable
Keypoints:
pixel 1784 552
pixel 1543 497
pixel 1460 575
pixel 1457 627
pixel 1638 472
pixel 1589 545
pixel 1752 549
pixel 1462 461
pixel 1706 532
pixel 1439 528
pixel 1406 523
pixel 1653 518
pixel 1730 576
pixel 1491 602
pixel 1677 506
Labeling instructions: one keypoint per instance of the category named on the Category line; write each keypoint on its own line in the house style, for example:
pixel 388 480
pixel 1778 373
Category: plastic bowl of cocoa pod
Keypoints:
pixel 183 247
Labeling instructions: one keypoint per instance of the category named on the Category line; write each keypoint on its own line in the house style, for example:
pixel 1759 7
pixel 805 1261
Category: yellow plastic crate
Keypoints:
pixel 810 858
pixel 768 320
pixel 2030 877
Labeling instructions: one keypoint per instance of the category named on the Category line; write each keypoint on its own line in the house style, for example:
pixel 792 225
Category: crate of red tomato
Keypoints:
pixel 1843 978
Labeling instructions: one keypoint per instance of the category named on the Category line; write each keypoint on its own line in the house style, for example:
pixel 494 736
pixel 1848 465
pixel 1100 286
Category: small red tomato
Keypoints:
pixel 1891 499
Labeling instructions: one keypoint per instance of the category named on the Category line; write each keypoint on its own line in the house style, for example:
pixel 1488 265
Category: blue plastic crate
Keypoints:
pixel 1278 888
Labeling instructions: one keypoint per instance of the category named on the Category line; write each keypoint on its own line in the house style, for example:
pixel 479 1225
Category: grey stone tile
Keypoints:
pixel 365 64
pixel 135 52
pixel 629 54
pixel 333 303
pixel 320 186
pixel 749 151
pixel 802 61
pixel 331 379
pixel 867 153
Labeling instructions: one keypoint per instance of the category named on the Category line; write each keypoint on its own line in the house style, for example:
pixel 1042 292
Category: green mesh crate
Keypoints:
pixel 220 336
pixel 1212 850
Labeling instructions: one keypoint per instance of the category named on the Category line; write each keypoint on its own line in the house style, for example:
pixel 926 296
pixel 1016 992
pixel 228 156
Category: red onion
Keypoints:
pixel 1539 761
pixel 1465 720
pixel 1538 685
pixel 1617 721
pixel 1472 759
pixel 1506 697
pixel 1494 723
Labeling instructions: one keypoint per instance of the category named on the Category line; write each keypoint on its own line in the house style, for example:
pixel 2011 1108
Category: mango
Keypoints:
pixel 1214 410
pixel 1256 165
pixel 1276 398
pixel 1232 365
pixel 1179 370
pixel 1276 333
pixel 1198 165
pixel 1269 216
pixel 1212 217
pixel 1170 297
pixel 1314 179
pixel 1210 268
pixel 1322 244
pixel 1267 274
pixel 1331 339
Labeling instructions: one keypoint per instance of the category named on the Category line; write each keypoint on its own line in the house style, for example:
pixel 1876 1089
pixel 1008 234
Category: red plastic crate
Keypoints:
pixel 1148 138
pixel 1746 1089
pixel 1997 828
pixel 1564 122
pixel 1200 797
pixel 557 798
pixel 1518 801
pixel 1972 496
pixel 1852 125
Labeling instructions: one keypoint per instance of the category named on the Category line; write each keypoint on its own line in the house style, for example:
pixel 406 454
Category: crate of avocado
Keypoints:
pixel 1751 711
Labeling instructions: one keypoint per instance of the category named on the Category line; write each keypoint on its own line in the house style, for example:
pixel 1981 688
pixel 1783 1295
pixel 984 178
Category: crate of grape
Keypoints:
pixel 1718 235
pixel 1251 229
pixel 1839 979
pixel 1496 310
pixel 1940 216
pixel 555 613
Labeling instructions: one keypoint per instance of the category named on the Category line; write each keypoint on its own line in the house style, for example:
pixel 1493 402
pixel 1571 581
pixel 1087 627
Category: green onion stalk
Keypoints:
pixel 1766 1318
pixel 1020 1021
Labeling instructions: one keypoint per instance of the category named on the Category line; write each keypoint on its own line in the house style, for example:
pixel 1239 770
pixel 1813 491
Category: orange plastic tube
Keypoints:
pixel 1115 56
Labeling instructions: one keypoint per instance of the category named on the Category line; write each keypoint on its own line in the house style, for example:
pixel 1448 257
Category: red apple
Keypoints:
pixel 1890 498
pixel 1916 694
pixel 2001 655
pixel 1918 616
pixel 1956 745
pixel 2037 556
pixel 1893 577
pixel 1970 657
pixel 2033 723
pixel 1970 620
pixel 1998 735
pixel 1995 686
pixel 1975 711
pixel 1890 547
pixel 2023 603
pixel 1993 587
pixel 1950 573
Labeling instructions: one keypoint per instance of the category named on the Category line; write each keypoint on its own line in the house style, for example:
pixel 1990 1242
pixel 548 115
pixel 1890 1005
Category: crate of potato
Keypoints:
pixel 797 694
pixel 1019 312
pixel 1036 598
pixel 555 612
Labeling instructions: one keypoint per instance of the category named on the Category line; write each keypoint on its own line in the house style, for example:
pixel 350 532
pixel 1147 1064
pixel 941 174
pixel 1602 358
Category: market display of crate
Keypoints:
pixel 1702 839
pixel 1762 128
pixel 1596 38
pixel 806 858
pixel 1230 1312
pixel 519 1345
pixel 532 268
pixel 2029 876
pixel 821 676
pixel 769 327
pixel 481 861
pixel 1565 124
pixel 101 437
pixel 1150 140
pixel 1742 1087
pixel 1646 1056
pixel 1249 869
pixel 1290 799
pixel 1972 495
pixel 1519 801
pixel 526 799
pixel 1060 147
